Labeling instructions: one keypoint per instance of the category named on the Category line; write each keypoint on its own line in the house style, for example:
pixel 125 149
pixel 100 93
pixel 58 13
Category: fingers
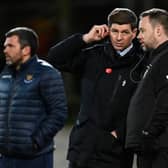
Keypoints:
pixel 96 33
pixel 101 31
pixel 114 134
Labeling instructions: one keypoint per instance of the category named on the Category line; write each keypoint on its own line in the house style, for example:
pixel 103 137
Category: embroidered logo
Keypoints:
pixel 6 76
pixel 29 78
pixel 124 83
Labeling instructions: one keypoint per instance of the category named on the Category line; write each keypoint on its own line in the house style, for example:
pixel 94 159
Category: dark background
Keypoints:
pixel 54 20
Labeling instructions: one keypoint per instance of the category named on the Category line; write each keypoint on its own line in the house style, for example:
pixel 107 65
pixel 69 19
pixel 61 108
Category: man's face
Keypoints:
pixel 121 36
pixel 146 34
pixel 12 50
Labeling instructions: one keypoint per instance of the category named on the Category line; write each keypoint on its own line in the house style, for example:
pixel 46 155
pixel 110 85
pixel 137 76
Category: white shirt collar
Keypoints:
pixel 125 51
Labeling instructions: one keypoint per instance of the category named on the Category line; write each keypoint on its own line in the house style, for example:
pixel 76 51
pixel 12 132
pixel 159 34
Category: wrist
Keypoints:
pixel 86 38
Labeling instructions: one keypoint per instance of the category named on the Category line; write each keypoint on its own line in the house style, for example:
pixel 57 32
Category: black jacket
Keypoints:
pixel 32 108
pixel 106 89
pixel 2 62
pixel 148 112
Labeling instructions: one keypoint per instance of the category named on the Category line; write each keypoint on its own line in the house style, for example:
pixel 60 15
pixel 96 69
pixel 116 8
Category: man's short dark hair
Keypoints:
pixel 156 16
pixel 122 16
pixel 27 37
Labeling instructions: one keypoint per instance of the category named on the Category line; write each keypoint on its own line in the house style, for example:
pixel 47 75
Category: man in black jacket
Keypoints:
pixel 97 138
pixel 32 104
pixel 147 126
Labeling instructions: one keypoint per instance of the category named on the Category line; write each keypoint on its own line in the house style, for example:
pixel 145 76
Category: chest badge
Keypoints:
pixel 124 83
pixel 29 78
pixel 148 67
pixel 108 70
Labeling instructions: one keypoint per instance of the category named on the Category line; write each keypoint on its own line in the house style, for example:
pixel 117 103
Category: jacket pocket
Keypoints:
pixel 107 144
pixel 78 132
pixel 83 140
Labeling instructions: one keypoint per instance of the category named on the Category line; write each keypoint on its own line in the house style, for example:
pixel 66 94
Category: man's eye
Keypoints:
pixel 126 32
pixel 113 31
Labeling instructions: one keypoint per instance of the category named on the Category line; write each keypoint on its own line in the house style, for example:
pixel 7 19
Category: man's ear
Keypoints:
pixel 158 30
pixel 135 32
pixel 26 50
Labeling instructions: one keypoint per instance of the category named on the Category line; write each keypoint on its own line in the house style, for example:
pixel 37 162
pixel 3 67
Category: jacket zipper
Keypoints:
pixel 116 87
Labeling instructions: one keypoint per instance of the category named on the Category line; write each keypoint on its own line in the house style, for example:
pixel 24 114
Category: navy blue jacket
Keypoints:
pixel 32 108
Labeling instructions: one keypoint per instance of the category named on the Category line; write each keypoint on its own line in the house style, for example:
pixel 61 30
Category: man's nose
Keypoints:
pixel 119 36
pixel 4 50
pixel 139 36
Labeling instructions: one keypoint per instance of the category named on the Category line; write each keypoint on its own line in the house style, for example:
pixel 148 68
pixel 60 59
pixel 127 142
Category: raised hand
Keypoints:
pixel 96 33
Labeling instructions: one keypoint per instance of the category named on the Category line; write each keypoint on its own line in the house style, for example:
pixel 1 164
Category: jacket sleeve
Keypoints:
pixel 53 95
pixel 67 55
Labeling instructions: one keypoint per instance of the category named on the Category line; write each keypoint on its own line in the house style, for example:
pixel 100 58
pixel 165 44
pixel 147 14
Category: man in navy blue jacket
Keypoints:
pixel 32 104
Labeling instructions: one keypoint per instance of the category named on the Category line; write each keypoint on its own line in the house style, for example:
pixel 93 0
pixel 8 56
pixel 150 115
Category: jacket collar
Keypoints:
pixel 117 61
pixel 24 65
pixel 160 49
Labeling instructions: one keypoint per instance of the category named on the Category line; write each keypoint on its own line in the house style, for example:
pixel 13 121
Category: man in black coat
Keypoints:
pixel 147 123
pixel 97 139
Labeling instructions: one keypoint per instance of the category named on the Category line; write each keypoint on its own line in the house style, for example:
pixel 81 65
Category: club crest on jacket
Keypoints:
pixel 28 78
